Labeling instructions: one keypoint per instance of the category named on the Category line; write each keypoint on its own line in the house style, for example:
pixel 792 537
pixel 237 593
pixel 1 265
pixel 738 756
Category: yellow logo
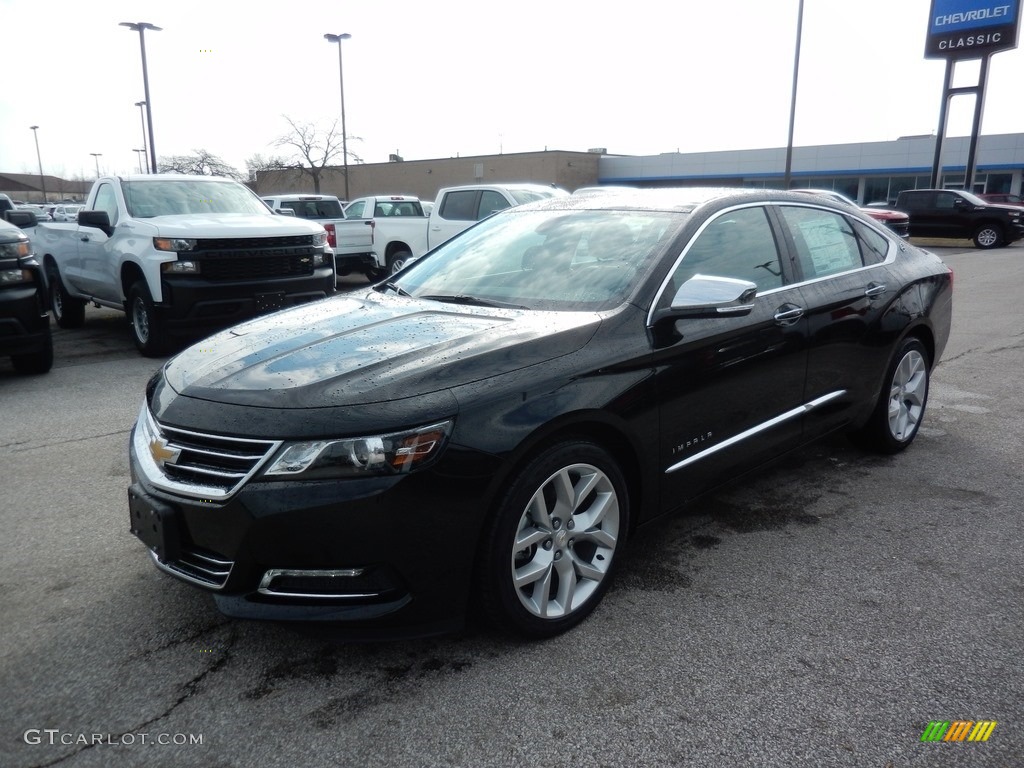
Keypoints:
pixel 162 453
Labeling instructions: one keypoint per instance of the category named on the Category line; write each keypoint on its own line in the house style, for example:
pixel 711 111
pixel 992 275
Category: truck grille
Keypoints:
pixel 196 464
pixel 255 258
pixel 252 243
pixel 250 266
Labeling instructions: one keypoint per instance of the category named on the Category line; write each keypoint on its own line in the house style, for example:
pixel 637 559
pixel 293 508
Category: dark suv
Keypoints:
pixel 959 214
pixel 24 319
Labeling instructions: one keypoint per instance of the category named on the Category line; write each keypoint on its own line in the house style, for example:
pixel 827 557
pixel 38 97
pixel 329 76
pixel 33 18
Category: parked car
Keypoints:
pixel 24 317
pixel 66 212
pixel 955 213
pixel 1005 198
pixel 897 221
pixel 488 427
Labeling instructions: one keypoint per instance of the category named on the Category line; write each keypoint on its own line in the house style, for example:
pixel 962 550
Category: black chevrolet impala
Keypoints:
pixel 487 428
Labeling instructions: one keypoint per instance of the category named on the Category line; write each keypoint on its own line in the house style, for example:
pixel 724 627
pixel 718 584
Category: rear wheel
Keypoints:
pixel 897 416
pixel 988 236
pixel 147 330
pixel 68 311
pixel 549 555
pixel 397 261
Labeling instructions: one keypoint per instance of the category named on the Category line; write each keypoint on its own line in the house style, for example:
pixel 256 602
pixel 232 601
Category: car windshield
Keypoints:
pixel 550 260
pixel 169 197
pixel 522 196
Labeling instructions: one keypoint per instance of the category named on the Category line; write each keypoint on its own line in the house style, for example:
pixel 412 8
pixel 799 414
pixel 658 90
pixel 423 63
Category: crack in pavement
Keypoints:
pixel 187 690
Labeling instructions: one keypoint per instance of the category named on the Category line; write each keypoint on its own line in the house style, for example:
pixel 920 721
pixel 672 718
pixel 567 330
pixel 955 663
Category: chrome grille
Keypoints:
pixel 199 465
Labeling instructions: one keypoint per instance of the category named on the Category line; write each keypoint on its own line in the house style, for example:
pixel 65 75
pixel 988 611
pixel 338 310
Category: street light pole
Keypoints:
pixel 141 27
pixel 140 153
pixel 142 122
pixel 96 156
pixel 42 179
pixel 341 78
pixel 792 105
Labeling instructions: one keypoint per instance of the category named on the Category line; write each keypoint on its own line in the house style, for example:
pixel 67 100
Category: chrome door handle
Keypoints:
pixel 875 289
pixel 788 313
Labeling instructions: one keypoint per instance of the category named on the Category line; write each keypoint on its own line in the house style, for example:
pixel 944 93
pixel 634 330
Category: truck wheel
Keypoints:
pixel 35 362
pixel 988 236
pixel 147 331
pixel 68 311
pixel 375 274
pixel 397 261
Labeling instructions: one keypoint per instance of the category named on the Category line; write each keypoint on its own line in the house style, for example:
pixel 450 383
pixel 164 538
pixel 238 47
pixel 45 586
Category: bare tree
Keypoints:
pixel 315 148
pixel 257 164
pixel 200 163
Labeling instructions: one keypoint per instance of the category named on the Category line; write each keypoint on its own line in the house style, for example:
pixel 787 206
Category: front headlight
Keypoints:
pixel 15 250
pixel 176 244
pixel 15 276
pixel 320 238
pixel 391 454
pixel 180 267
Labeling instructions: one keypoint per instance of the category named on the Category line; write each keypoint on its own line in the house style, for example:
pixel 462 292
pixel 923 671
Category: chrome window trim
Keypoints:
pixel 895 245
pixel 783 417
pixel 682 254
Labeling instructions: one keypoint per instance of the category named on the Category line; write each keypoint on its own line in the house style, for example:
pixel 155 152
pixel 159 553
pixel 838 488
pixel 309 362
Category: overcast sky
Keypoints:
pixel 440 78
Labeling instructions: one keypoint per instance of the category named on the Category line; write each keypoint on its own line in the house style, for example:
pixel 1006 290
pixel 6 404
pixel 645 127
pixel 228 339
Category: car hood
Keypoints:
pixel 221 225
pixel 373 348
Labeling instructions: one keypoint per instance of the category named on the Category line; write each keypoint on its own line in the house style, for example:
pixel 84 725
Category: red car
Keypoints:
pixel 897 221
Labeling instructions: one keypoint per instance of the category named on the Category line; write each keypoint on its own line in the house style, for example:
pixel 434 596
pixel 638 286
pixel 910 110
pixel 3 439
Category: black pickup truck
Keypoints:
pixel 957 214
pixel 24 316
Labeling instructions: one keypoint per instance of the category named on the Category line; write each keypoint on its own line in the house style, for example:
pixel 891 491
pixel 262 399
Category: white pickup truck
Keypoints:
pixel 352 244
pixel 401 233
pixel 181 255
pixel 398 231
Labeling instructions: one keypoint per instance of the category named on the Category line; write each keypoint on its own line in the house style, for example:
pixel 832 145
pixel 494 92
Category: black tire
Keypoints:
pixel 562 549
pixel 68 311
pixel 897 416
pixel 147 330
pixel 376 274
pixel 988 236
pixel 35 362
pixel 397 261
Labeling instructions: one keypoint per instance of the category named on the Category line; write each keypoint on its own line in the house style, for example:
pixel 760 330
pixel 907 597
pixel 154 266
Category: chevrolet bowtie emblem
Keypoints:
pixel 161 453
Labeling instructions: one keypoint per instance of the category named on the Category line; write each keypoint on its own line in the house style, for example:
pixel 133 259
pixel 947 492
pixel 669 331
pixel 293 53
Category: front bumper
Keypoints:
pixel 24 321
pixel 192 303
pixel 385 555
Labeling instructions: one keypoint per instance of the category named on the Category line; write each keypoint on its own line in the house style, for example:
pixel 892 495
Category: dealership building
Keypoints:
pixel 867 172
pixel 870 172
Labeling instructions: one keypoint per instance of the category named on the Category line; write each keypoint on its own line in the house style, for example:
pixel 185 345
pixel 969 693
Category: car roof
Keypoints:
pixel 680 199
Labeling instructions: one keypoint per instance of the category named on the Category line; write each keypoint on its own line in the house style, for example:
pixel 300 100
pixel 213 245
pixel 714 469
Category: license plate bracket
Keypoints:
pixel 156 524
pixel 269 302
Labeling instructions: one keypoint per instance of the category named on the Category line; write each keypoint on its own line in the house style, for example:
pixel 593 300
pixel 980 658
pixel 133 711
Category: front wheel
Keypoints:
pixel 988 236
pixel 897 416
pixel 549 554
pixel 147 332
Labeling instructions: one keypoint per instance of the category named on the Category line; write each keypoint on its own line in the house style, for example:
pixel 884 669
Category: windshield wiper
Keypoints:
pixel 394 287
pixel 462 298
